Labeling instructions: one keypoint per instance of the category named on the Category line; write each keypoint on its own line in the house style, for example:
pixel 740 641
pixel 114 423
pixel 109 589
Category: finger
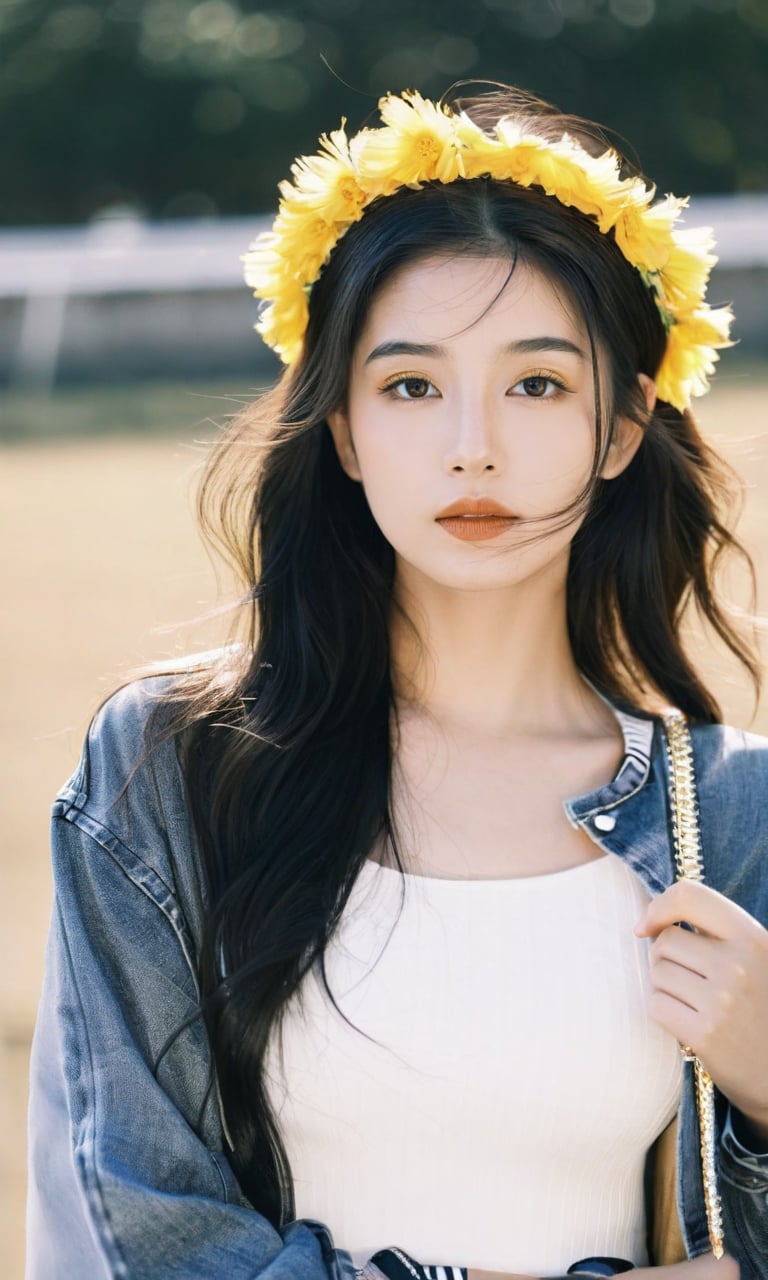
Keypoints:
pixel 698 905
pixel 692 951
pixel 705 1267
pixel 677 1018
pixel 680 983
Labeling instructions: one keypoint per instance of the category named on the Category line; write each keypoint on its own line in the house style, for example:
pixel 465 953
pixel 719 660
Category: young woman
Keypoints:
pixel 364 957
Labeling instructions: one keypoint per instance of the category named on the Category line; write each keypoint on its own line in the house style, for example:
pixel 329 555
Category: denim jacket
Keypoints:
pixel 129 1175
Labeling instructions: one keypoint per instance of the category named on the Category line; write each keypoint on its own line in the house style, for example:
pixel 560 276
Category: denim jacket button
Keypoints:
pixel 604 821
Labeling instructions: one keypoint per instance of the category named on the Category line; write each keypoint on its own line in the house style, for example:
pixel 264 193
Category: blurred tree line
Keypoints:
pixel 195 107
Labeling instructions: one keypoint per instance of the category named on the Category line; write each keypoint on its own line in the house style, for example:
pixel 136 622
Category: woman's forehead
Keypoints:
pixel 440 297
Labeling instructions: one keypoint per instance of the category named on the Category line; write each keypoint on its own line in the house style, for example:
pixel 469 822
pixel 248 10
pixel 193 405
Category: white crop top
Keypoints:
pixel 500 1113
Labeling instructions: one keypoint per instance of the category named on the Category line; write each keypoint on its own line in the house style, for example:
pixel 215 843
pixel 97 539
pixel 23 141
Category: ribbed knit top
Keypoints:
pixel 498 1109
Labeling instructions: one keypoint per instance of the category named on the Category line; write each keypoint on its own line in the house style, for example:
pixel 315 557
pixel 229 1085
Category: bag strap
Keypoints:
pixel 689 864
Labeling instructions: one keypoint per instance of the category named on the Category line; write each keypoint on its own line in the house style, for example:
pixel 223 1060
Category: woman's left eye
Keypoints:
pixel 538 386
pixel 411 387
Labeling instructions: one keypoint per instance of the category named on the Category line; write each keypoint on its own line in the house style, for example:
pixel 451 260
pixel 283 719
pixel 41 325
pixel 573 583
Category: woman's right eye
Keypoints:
pixel 410 387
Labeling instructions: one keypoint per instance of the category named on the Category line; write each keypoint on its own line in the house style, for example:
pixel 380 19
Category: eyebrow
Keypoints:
pixel 522 346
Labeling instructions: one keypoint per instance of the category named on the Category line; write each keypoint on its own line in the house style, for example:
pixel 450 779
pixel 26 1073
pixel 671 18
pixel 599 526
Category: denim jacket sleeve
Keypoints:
pixel 732 769
pixel 128 1169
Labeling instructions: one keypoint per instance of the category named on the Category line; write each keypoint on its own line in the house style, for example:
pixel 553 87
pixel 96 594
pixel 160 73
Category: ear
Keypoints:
pixel 338 425
pixel 627 434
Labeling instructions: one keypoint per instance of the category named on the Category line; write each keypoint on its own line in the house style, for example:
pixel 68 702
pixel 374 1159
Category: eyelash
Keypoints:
pixel 545 375
pixel 399 380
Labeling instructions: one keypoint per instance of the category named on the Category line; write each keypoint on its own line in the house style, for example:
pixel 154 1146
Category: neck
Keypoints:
pixel 496 662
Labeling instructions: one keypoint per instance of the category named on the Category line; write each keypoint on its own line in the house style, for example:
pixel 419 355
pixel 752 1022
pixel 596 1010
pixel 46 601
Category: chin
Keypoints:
pixel 491 575
pixel 479 567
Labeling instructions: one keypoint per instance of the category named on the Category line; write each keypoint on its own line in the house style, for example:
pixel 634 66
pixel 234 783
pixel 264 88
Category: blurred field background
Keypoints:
pixel 100 554
pixel 142 144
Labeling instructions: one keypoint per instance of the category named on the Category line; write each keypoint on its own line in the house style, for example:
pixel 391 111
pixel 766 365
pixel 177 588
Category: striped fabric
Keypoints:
pixel 397 1265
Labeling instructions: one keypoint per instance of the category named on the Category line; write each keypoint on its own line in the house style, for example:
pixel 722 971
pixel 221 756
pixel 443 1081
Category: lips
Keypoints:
pixel 475 519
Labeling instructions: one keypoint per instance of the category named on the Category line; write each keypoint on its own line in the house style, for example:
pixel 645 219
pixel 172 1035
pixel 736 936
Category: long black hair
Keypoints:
pixel 287 742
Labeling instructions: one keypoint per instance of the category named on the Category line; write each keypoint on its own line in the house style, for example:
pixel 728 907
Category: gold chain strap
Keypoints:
pixel 690 866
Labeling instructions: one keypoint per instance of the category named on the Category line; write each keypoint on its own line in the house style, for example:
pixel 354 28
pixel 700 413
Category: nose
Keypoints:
pixel 472 447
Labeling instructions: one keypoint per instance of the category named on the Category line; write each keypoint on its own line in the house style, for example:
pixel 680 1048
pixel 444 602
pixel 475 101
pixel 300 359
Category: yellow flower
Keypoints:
pixel 296 257
pixel 710 326
pixel 326 182
pixel 684 370
pixel 603 175
pixel 691 354
pixel 689 264
pixel 283 327
pixel 410 114
pixel 416 144
pixel 564 178
pixel 542 168
pixel 644 235
pixel 421 141
pixel 476 151
pixel 519 159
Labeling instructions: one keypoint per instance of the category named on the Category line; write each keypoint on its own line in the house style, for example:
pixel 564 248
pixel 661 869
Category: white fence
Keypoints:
pixel 126 299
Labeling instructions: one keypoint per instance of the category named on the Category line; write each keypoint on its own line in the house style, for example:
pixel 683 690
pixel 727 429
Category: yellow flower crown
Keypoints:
pixel 421 141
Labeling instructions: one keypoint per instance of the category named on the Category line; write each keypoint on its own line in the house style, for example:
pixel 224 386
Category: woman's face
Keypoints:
pixel 468 389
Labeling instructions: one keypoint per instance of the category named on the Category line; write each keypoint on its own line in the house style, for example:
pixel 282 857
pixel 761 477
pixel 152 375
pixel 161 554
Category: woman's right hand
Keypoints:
pixel 707 1267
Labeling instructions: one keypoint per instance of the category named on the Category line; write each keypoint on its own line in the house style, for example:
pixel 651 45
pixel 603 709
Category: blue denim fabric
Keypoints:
pixel 129 1175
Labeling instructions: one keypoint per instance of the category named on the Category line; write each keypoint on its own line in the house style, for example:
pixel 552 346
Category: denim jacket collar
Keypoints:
pixel 628 815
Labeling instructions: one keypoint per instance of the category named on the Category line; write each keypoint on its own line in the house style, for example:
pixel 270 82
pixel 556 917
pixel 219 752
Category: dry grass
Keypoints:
pixel 101 551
